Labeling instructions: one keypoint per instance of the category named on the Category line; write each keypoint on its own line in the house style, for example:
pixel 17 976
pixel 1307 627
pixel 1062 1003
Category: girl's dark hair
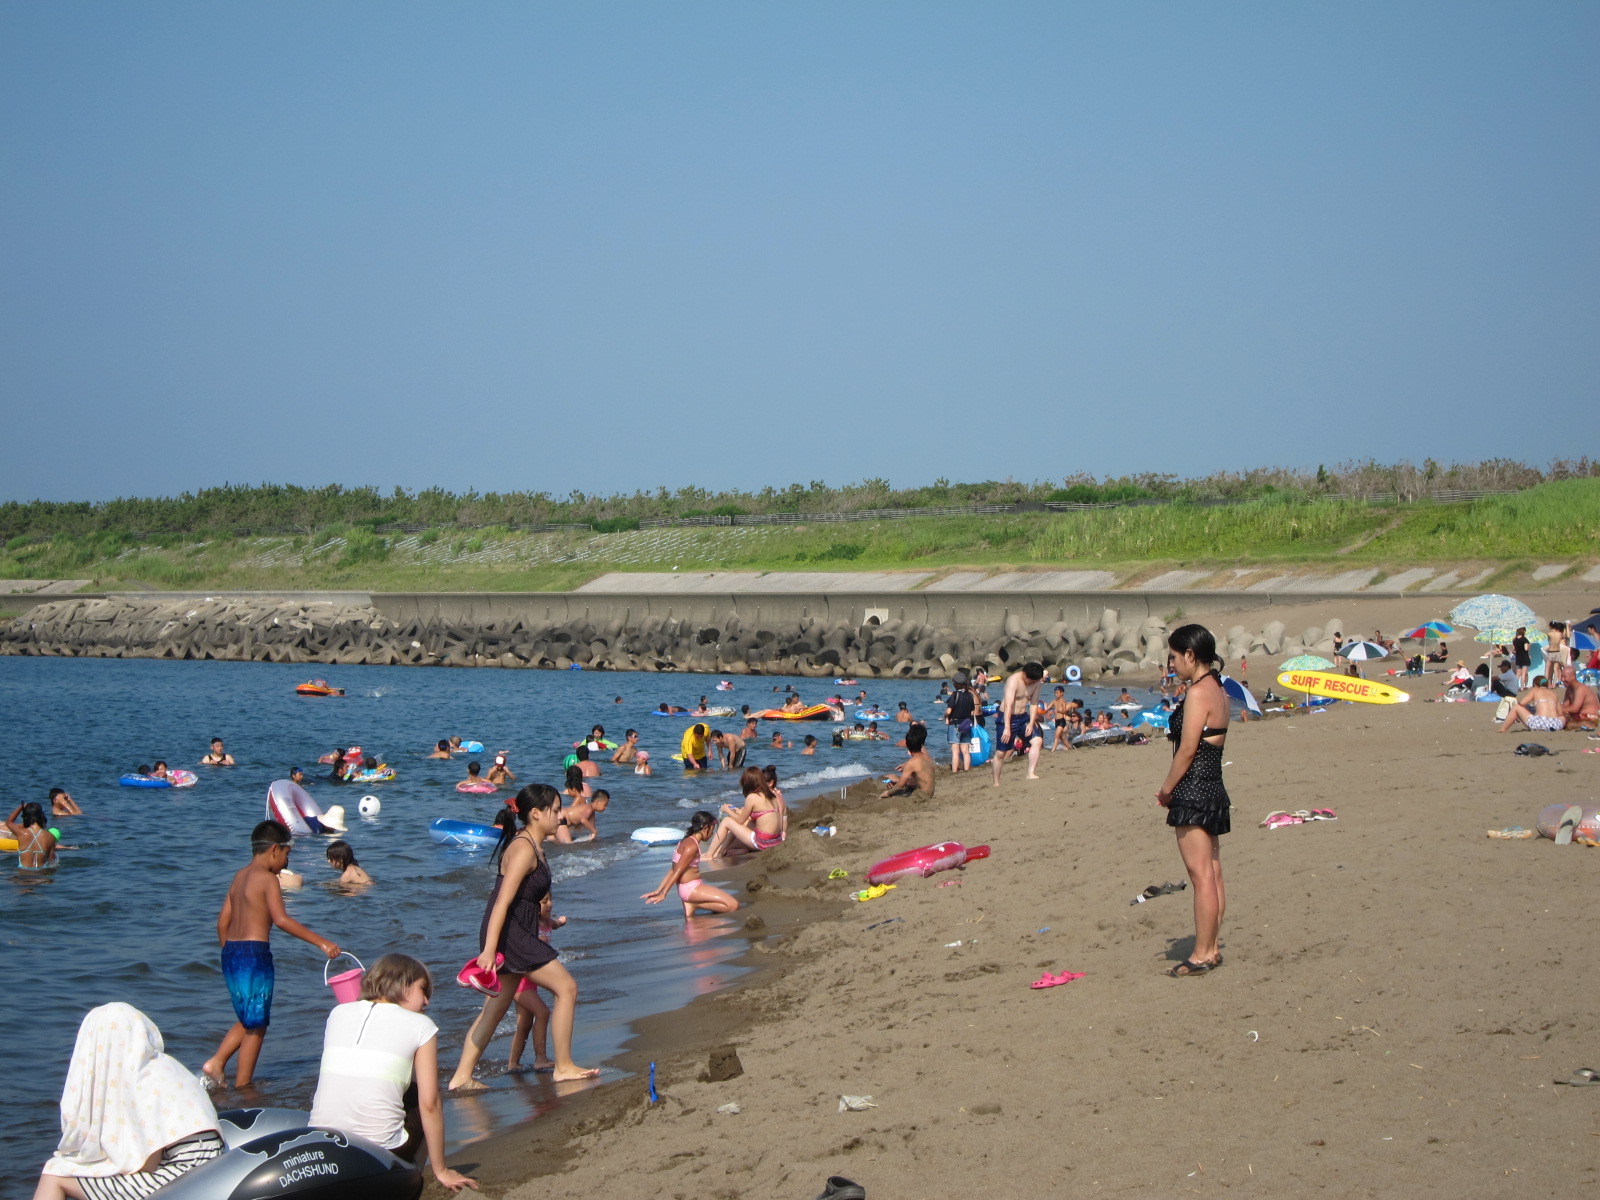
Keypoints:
pixel 340 855
pixel 369 764
pixel 32 814
pixel 539 796
pixel 144 768
pixel 752 781
pixel 1195 639
pixel 599 731
pixel 474 767
pixel 770 774
pixel 574 778
pixel 700 820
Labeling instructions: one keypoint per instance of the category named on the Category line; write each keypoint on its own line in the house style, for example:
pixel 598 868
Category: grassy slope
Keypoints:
pixel 1551 521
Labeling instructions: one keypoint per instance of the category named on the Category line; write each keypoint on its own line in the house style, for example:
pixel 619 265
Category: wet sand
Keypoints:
pixel 1398 995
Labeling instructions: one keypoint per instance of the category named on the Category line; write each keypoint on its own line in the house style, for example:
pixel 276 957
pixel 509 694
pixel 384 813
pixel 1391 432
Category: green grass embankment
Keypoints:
pixel 1551 521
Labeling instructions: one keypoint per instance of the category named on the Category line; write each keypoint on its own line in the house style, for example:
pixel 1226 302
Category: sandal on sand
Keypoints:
pixel 1279 820
pixel 1323 814
pixel 1266 821
pixel 840 1188
pixel 1569 825
pixel 1048 980
pixel 1582 1077
pixel 1511 833
pixel 1189 967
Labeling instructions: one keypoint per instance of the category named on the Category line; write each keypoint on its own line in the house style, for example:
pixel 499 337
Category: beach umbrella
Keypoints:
pixel 1493 611
pixel 1585 639
pixel 1362 651
pixel 1590 624
pixel 1238 691
pixel 1306 662
pixel 1428 629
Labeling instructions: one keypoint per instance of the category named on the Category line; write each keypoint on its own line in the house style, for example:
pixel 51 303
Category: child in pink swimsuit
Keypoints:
pixel 693 892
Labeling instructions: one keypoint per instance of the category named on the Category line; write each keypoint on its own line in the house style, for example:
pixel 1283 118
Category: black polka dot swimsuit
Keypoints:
pixel 1199 797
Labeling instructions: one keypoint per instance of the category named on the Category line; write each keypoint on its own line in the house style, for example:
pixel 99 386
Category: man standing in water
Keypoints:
pixel 1017 724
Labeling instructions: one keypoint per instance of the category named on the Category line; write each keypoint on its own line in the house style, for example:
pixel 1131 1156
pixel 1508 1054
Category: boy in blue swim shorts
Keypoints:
pixel 253 905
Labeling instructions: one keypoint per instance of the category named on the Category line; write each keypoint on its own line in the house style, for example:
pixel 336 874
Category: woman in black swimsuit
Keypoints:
pixel 511 928
pixel 1193 793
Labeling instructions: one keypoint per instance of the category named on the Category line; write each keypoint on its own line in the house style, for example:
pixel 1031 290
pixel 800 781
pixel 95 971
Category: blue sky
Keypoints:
pixel 607 246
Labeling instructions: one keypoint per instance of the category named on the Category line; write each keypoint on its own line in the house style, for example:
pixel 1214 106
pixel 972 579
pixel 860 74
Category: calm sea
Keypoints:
pixel 130 914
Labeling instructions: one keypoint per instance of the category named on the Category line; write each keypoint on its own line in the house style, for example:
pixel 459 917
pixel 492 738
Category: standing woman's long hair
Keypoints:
pixel 515 815
pixel 1197 639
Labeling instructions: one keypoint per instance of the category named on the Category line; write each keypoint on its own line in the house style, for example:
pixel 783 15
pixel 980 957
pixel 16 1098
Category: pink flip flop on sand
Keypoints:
pixel 1048 980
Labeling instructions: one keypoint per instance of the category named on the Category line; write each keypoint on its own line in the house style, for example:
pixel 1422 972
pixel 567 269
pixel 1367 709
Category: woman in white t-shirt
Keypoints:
pixel 380 1067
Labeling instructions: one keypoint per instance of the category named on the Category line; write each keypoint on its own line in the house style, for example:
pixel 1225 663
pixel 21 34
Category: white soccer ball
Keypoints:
pixel 369 806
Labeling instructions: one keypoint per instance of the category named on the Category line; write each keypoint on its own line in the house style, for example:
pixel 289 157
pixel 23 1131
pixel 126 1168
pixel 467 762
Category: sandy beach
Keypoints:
pixel 1398 996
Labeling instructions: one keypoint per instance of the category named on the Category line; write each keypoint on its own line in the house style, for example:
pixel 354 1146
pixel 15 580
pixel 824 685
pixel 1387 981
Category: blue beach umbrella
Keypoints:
pixel 1238 691
pixel 1585 639
pixel 1493 611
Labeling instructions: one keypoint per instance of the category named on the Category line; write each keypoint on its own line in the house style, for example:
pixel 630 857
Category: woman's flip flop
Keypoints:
pixel 1189 967
pixel 1048 980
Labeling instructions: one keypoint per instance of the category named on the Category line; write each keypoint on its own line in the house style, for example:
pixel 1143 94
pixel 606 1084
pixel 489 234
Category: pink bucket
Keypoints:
pixel 347 984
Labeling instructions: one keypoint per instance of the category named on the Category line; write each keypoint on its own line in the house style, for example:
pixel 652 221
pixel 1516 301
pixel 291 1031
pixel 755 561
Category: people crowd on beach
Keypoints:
pixel 379 1076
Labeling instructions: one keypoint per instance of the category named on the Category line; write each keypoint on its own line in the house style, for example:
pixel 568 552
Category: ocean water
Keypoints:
pixel 130 914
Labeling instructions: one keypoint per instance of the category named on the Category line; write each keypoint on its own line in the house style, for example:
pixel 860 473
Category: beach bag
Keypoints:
pixel 1503 709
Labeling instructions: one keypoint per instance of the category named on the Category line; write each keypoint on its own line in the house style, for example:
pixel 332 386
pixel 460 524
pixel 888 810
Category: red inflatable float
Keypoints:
pixel 925 861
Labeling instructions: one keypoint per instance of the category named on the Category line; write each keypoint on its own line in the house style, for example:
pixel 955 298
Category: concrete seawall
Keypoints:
pixel 895 635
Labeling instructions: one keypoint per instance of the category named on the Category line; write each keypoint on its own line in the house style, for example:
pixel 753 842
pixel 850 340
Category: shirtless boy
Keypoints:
pixel 590 769
pixel 254 904
pixel 1016 726
pixel 581 815
pixel 629 749
pixel 916 773
pixel 1537 708
pixel 63 805
pixel 730 750
pixel 442 750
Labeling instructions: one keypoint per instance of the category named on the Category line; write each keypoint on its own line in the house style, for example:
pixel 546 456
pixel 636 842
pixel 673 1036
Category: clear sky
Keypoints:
pixel 607 246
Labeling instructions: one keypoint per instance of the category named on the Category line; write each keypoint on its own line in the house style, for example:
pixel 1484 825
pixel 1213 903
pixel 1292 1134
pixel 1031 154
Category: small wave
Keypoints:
pixel 794 783
pixel 825 775
pixel 585 861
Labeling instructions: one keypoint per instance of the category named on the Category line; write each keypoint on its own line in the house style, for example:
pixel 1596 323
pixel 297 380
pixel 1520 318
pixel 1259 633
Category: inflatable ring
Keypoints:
pixel 1074 674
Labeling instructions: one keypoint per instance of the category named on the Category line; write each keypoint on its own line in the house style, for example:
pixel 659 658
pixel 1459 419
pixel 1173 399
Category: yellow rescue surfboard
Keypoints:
pixel 1342 687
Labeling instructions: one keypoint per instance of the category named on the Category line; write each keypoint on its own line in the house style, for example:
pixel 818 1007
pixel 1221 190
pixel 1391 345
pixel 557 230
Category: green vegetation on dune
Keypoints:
pixel 237 511
pixel 1549 521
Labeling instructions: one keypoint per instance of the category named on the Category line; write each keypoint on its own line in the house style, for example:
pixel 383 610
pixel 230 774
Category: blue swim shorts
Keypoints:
pixel 247 970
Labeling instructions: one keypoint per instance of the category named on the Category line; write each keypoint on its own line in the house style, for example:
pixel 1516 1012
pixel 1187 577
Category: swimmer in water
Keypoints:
pixel 159 770
pixel 218 757
pixel 777 741
pixel 630 747
pixel 500 775
pixel 693 892
pixel 63 805
pixel 810 744
pixel 473 774
pixel 590 769
pixel 36 845
pixel 343 859
pixel 441 750
pixel 641 764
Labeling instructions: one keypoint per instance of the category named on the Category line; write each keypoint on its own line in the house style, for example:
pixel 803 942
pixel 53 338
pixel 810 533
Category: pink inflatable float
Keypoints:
pixel 475 789
pixel 925 861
